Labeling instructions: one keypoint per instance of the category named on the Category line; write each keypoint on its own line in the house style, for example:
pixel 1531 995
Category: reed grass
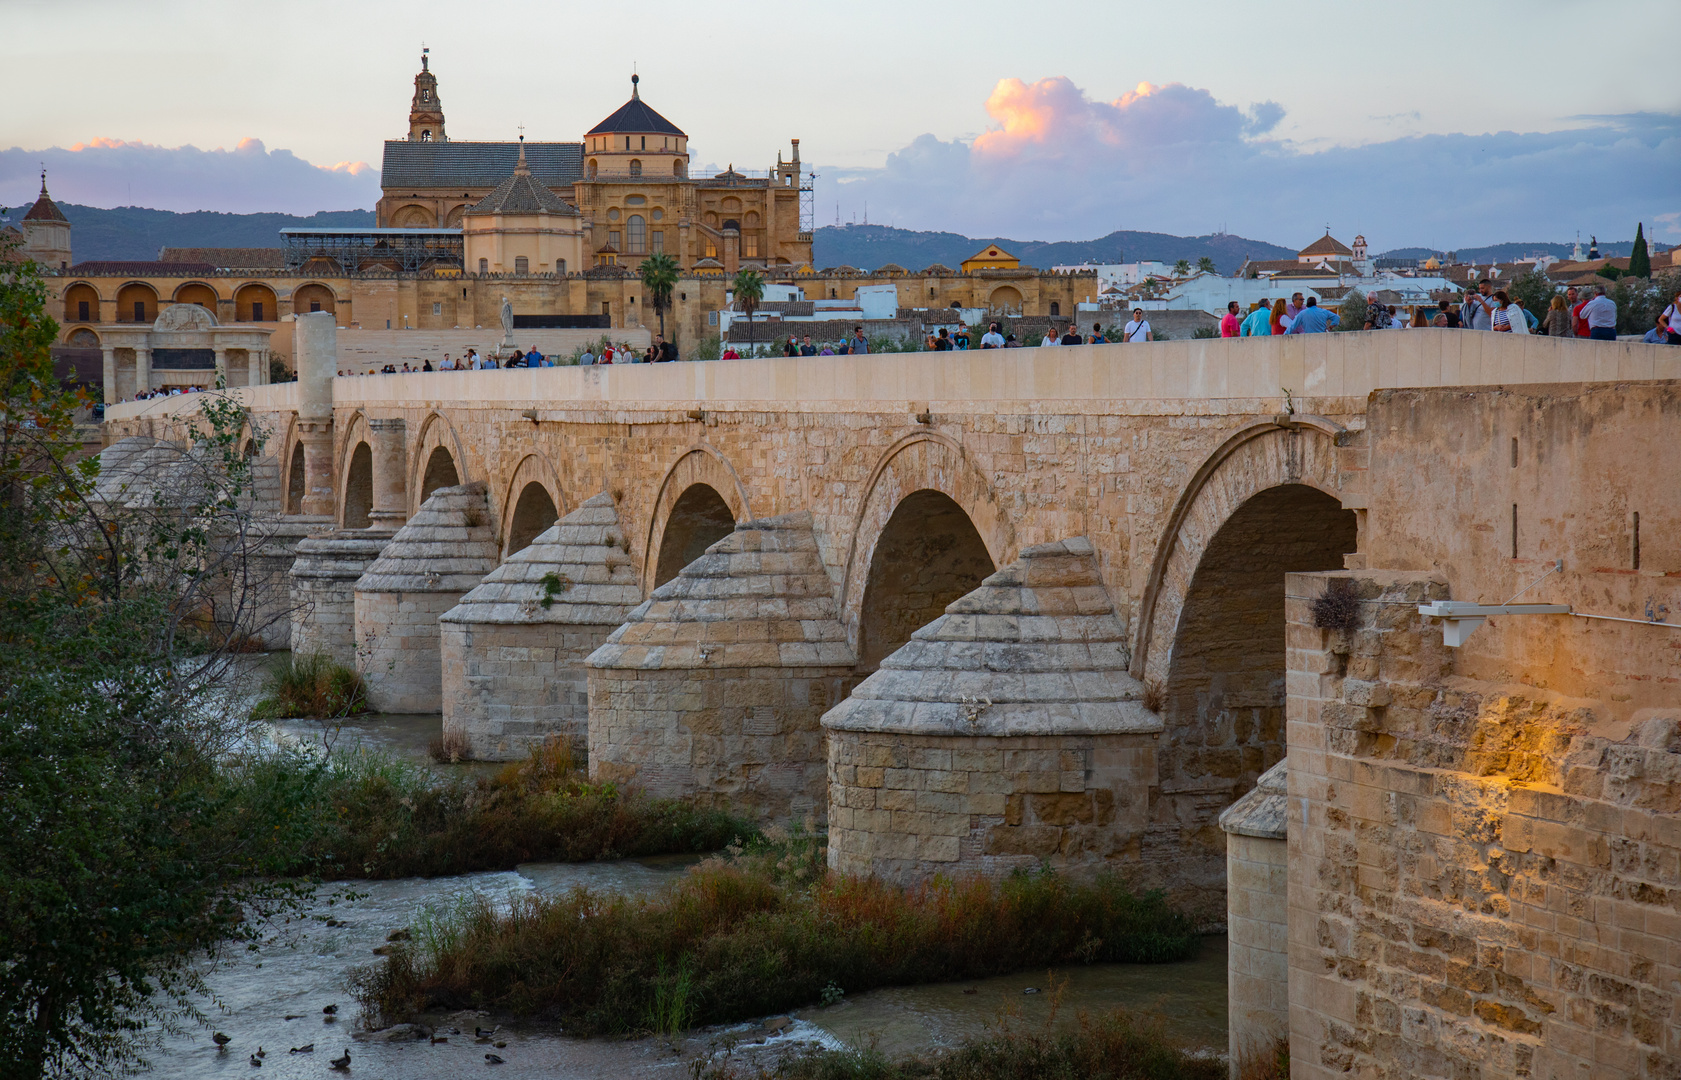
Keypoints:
pixel 761 931
pixel 314 687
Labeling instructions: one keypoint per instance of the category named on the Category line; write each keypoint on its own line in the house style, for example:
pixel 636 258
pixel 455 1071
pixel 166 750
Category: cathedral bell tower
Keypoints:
pixel 426 112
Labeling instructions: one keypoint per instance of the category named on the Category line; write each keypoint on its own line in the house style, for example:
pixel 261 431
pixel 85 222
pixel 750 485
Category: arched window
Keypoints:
pixel 635 167
pixel 627 142
pixel 1056 308
pixel 592 168
pixel 636 234
pixel 484 266
pixel 560 266
pixel 425 95
pixel 677 169
pixel 644 142
pixel 425 136
pixel 522 265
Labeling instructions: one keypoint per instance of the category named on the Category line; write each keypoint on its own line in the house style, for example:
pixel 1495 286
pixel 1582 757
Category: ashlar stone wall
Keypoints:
pixel 1485 878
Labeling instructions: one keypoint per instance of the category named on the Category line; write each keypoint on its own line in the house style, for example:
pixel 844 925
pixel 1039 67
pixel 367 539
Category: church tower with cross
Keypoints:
pixel 426 111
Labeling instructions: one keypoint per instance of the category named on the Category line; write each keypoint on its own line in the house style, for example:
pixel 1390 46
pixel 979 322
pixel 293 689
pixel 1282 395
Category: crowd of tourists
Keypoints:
pixel 1575 314
pixel 660 351
pixel 165 391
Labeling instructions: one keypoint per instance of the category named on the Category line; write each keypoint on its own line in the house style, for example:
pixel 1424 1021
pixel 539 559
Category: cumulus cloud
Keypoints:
pixel 249 177
pixel 1057 164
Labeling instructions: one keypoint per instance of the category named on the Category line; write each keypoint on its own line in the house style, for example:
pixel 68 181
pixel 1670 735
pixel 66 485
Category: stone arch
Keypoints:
pixel 921 461
pixel 928 554
pixel 197 292
pixel 453 219
pixel 137 302
pixel 255 302
pixel 427 470
pixel 1266 507
pixel 292 494
pixel 1005 300
pixel 414 217
pixel 1256 457
pixel 313 296
pixel 75 296
pixel 700 467
pixel 82 338
pixel 356 476
pixel 524 516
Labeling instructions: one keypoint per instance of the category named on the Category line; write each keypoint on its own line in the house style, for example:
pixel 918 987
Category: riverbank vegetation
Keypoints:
pixel 368 815
pixel 1113 1046
pixel 313 687
pixel 761 930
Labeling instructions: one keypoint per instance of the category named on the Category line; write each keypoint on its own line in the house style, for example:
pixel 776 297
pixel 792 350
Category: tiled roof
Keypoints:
pixel 45 209
pixel 635 118
pixel 144 269
pixel 521 193
pixel 1325 245
pixel 236 258
pixel 467 165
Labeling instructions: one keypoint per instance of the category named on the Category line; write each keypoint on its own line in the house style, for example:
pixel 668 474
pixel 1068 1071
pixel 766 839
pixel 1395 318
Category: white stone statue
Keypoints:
pixel 507 322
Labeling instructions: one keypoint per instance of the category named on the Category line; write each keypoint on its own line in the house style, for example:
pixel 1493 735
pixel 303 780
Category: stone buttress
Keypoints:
pixel 715 686
pixel 445 549
pixel 1257 917
pixel 1004 734
pixel 513 649
pixel 323 586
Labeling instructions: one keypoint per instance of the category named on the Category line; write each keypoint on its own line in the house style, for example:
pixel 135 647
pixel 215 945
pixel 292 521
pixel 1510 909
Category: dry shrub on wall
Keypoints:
pixel 1337 608
pixel 1269 1062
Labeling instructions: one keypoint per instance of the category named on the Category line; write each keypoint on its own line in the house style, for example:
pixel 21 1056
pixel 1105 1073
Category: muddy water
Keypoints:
pixel 304 968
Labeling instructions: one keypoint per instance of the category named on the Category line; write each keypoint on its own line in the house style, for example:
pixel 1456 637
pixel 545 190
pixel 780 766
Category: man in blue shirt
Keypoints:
pixel 1259 322
pixel 1313 319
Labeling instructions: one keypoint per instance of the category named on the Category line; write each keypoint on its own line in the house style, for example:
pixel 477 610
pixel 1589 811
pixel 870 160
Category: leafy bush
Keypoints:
pixel 313 687
pixel 762 931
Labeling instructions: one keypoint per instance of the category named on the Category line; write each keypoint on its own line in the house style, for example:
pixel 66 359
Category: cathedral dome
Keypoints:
pixel 634 117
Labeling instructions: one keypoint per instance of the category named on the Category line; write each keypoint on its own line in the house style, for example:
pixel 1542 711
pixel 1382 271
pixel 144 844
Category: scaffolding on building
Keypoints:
pixel 352 250
pixel 808 206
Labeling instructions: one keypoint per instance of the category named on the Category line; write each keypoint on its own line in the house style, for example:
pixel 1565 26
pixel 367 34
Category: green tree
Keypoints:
pixel 1640 260
pixel 659 277
pixel 125 855
pixel 1206 265
pixel 1182 268
pixel 1351 313
pixel 749 289
pixel 1535 289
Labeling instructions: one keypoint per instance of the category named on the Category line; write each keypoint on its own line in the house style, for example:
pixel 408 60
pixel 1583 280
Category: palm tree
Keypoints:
pixel 659 276
pixel 1205 265
pixel 749 290
pixel 1182 268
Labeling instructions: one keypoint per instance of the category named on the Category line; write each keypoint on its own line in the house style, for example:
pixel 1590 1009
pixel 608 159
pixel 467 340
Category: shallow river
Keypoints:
pixel 304 971
pixel 273 997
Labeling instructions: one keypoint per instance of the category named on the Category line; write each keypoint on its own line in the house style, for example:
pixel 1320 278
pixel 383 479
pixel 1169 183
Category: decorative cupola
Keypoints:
pixel 635 141
pixel 46 232
pixel 426 111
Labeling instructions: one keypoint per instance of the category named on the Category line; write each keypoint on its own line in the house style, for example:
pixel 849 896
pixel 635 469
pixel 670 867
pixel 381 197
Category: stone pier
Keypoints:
pixel 714 688
pixel 1005 734
pixel 445 549
pixel 323 590
pixel 1257 922
pixel 514 648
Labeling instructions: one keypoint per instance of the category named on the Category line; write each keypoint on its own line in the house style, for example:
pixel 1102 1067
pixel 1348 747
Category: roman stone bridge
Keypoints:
pixel 1152 607
pixel 1199 473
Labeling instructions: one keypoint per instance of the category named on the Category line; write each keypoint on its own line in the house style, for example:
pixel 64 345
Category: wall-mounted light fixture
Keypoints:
pixel 1460 617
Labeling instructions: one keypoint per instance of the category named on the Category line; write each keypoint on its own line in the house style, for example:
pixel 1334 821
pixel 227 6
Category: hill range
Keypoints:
pixel 133 233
